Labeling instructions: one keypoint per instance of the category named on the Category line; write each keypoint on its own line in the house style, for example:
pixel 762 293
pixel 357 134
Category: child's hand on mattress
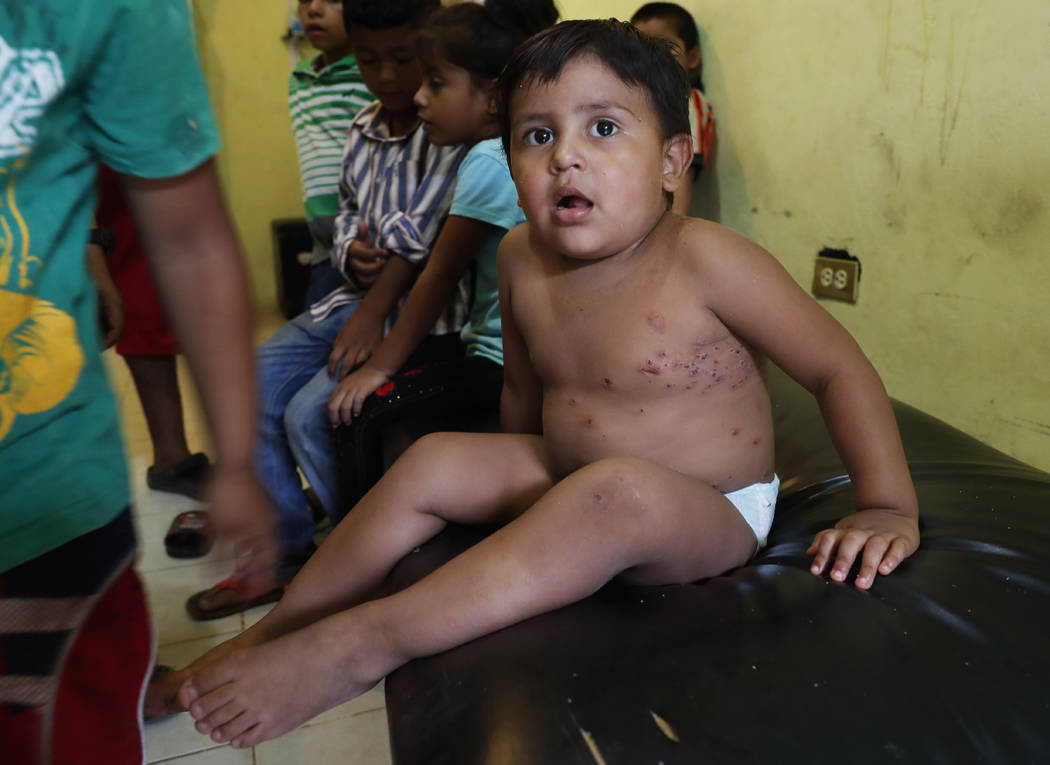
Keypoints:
pixel 882 538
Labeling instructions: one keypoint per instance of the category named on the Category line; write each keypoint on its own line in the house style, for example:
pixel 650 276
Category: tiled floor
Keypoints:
pixel 352 734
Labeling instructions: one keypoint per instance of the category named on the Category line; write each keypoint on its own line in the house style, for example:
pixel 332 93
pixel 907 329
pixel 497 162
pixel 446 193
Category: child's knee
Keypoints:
pixel 306 417
pixel 620 483
pixel 432 452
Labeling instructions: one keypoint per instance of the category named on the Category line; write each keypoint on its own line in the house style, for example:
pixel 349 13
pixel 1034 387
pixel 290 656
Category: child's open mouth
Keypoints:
pixel 570 203
pixel 573 202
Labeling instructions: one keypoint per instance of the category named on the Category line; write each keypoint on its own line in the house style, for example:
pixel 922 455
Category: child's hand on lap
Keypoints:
pixel 349 396
pixel 883 538
pixel 357 339
pixel 366 260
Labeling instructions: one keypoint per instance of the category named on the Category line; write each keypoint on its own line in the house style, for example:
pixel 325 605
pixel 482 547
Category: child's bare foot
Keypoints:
pixel 260 693
pixel 162 693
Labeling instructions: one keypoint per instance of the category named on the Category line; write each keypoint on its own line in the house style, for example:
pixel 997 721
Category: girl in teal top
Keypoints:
pixel 463 49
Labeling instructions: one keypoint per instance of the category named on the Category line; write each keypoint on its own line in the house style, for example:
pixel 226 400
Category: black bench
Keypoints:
pixel 945 661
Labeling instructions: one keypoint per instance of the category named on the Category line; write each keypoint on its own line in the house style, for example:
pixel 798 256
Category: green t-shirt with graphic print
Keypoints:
pixel 110 81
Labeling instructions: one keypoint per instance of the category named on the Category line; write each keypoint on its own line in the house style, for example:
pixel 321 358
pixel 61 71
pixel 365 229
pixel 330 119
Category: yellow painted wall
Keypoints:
pixel 247 66
pixel 911 133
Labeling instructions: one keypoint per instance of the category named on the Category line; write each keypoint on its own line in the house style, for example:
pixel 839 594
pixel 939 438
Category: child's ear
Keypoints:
pixel 678 156
pixel 492 108
pixel 692 59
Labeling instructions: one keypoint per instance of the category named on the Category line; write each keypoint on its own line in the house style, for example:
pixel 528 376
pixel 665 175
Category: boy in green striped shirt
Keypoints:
pixel 324 95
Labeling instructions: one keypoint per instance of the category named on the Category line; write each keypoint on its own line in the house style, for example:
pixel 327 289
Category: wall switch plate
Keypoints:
pixel 836 278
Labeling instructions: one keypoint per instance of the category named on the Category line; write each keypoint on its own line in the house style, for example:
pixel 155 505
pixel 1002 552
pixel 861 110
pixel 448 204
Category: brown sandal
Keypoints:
pixel 193 605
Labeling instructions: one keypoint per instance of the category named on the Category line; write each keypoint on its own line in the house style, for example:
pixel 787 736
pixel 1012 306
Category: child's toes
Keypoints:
pixel 220 717
pixel 215 703
pixel 233 729
pixel 252 737
pixel 187 694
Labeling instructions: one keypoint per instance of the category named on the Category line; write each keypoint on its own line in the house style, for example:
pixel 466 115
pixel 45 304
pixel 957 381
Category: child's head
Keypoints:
pixel 672 22
pixel 322 23
pixel 595 126
pixel 638 60
pixel 382 37
pixel 463 49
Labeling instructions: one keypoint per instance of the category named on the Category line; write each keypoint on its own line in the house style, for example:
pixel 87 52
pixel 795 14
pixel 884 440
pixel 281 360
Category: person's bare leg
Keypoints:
pixel 617 517
pixel 157 384
pixel 463 477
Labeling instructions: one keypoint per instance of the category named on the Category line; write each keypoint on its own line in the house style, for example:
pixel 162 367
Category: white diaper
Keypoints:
pixel 756 503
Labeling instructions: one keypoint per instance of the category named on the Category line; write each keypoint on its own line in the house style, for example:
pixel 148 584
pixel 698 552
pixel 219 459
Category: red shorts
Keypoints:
pixel 74 663
pixel 146 328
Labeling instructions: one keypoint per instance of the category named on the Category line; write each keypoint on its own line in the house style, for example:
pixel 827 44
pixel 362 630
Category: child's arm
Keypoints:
pixel 761 304
pixel 193 249
pixel 409 236
pixel 457 243
pixel 365 260
pixel 521 403
pixel 363 331
pixel 110 304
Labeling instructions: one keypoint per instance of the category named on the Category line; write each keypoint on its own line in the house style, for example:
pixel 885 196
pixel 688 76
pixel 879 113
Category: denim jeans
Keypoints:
pixel 294 387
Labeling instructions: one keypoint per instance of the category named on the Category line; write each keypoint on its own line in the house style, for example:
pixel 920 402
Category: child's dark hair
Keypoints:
pixel 480 38
pixel 639 60
pixel 385 14
pixel 684 26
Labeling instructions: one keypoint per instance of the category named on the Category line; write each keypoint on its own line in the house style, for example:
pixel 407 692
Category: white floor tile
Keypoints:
pixel 220 755
pixel 175 736
pixel 168 590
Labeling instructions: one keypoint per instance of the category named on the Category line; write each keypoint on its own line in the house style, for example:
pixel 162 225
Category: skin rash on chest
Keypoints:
pixel 682 392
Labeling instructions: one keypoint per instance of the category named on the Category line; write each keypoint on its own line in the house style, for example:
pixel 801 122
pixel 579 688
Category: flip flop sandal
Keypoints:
pixel 186 477
pixel 189 535
pixel 196 612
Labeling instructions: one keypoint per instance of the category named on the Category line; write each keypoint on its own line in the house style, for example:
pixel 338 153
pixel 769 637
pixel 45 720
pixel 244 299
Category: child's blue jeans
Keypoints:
pixel 294 387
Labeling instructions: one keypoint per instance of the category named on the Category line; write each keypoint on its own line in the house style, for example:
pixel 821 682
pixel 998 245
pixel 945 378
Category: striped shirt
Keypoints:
pixel 323 103
pixel 401 186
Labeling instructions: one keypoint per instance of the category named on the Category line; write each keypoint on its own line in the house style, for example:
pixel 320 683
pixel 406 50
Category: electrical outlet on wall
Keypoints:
pixel 836 275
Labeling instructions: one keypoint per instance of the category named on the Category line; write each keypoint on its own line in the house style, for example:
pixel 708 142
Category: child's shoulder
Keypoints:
pixel 515 250
pixel 706 242
pixel 515 242
pixel 485 159
pixel 490 148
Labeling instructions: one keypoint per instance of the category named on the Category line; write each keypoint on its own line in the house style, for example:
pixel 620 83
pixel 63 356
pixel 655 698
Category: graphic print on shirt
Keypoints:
pixel 29 79
pixel 40 355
